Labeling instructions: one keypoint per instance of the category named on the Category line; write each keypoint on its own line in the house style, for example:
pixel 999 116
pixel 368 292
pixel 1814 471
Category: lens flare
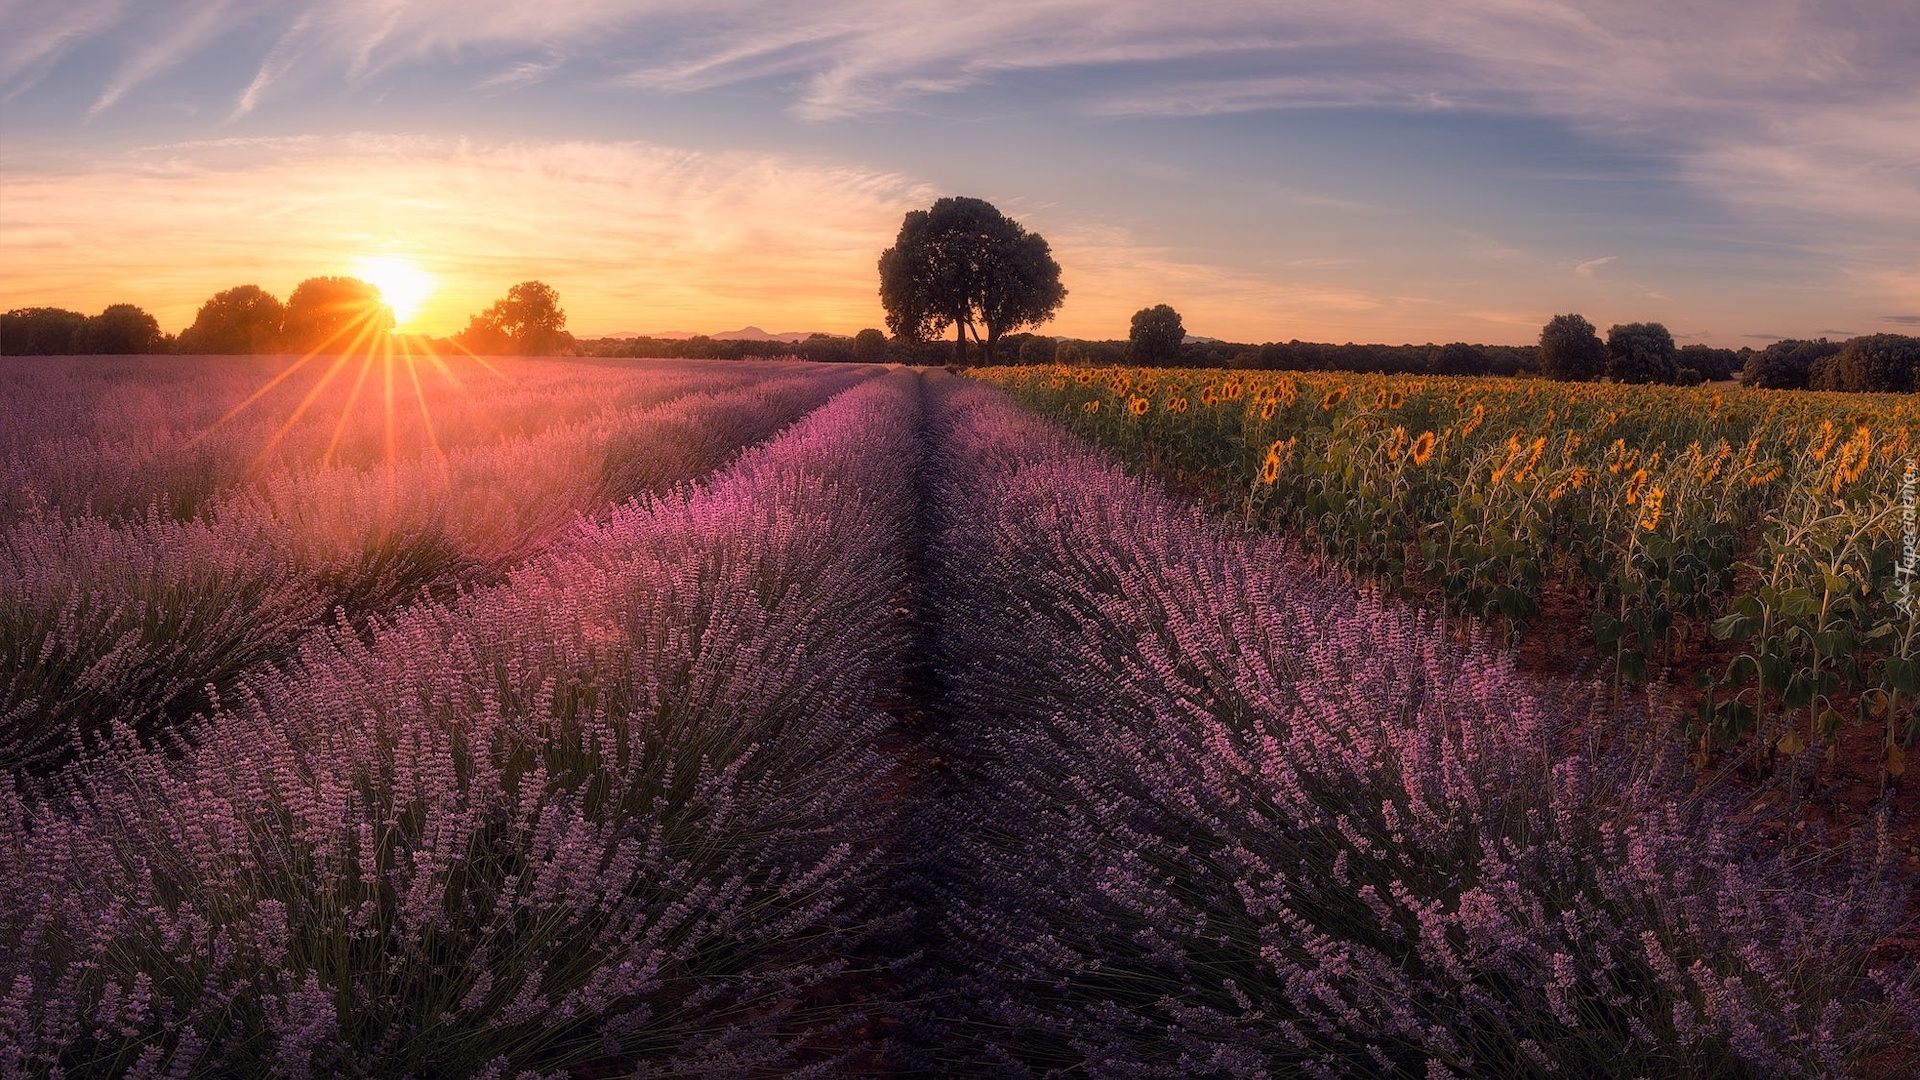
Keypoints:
pixel 402 285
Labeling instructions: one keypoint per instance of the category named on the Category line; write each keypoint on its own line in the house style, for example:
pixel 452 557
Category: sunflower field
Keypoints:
pixel 1754 544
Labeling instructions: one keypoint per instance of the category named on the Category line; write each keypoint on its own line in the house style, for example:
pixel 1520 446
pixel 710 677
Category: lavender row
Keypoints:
pixel 1223 816
pixel 615 816
pixel 119 437
pixel 134 622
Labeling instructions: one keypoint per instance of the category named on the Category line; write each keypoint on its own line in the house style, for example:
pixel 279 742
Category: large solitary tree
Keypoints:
pixel 241 320
pixel 527 322
pixel 964 264
pixel 1642 353
pixel 334 314
pixel 1571 349
pixel 1155 336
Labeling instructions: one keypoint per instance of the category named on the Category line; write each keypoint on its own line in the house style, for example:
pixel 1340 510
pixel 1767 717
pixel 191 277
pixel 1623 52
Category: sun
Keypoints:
pixel 402 285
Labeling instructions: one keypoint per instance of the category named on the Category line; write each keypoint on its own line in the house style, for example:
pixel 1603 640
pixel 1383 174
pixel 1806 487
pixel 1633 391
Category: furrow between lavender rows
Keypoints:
pixel 616 810
pixel 103 623
pixel 1217 814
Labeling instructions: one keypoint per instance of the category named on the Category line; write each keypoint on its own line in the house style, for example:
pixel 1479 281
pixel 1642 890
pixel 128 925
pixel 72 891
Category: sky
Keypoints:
pixel 1352 170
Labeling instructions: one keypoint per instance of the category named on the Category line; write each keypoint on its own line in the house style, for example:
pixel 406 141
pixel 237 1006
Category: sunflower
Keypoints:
pixel 1333 399
pixel 1712 471
pixel 1891 449
pixel 1853 459
pixel 1231 391
pixel 1091 406
pixel 1423 448
pixel 1635 485
pixel 1828 436
pixel 1656 495
pixel 1619 458
pixel 1277 454
pixel 1533 458
pixel 1139 406
pixel 1474 421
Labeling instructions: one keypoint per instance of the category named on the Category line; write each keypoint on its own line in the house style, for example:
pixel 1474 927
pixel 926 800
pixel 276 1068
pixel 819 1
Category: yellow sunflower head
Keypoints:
pixel 1423 448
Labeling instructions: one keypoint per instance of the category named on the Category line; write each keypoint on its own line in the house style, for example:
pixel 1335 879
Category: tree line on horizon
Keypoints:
pixel 964 265
pixel 321 314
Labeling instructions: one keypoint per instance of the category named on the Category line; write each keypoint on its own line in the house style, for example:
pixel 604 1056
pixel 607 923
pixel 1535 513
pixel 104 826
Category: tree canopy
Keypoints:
pixel 121 329
pixel 334 314
pixel 1878 363
pixel 1457 358
pixel 1641 353
pixel 528 321
pixel 870 346
pixel 39 331
pixel 964 264
pixel 1785 365
pixel 1155 336
pixel 1571 349
pixel 245 319
pixel 1039 350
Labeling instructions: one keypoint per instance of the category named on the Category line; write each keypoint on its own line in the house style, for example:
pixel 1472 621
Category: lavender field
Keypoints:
pixel 664 718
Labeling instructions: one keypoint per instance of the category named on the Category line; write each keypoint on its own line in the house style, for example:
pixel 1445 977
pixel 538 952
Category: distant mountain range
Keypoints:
pixel 745 333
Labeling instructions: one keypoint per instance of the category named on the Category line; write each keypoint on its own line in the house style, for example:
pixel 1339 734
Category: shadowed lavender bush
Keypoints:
pixel 103 621
pixel 1227 817
pixel 615 811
